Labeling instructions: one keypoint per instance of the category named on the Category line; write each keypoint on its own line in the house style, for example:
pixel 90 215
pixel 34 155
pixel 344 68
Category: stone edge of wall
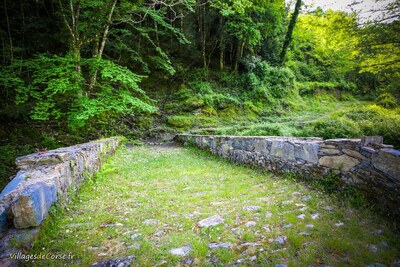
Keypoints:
pixel 46 178
pixel 367 163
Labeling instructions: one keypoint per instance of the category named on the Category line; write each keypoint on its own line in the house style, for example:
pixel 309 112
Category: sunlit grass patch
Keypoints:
pixel 148 200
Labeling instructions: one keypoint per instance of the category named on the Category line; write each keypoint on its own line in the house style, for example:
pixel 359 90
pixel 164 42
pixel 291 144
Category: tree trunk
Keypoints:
pixel 239 54
pixel 289 33
pixel 221 42
pixel 9 33
pixel 99 54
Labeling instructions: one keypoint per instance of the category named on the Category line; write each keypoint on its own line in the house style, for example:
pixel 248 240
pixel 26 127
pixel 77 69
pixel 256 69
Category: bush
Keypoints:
pixel 268 83
pixel 333 127
pixel 362 121
pixel 387 100
pixel 262 130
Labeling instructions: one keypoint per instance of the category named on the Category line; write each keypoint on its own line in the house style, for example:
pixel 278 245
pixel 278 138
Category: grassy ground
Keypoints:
pixel 148 200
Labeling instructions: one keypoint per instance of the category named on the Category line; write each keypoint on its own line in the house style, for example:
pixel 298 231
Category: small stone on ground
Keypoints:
pixel 211 221
pixel 182 251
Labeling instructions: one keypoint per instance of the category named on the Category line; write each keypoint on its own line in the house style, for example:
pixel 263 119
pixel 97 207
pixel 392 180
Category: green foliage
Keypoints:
pixel 181 122
pixel 334 127
pixel 56 90
pixel 267 83
pixel 387 100
pixel 324 47
pixel 357 122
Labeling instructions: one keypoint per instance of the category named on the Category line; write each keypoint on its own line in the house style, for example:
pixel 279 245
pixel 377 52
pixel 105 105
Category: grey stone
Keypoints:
pixel 250 224
pixel 329 151
pixel 280 240
pixel 310 226
pixel 137 236
pixel 120 262
pixel 328 208
pixel 280 265
pixel 250 244
pixel 306 198
pixel 353 154
pixel 305 233
pixel 219 245
pixel 33 204
pixel 268 215
pixel 314 216
pixel 372 248
pixel 260 145
pixel 367 140
pixel 288 225
pixel 343 162
pixel 252 208
pixel 17 180
pixel 150 221
pixel 339 224
pixel 301 216
pixel 396 263
pixel 182 251
pixel 211 221
pixel 376 232
pixel 388 161
pixel 159 233
pixel 282 150
pixel 307 152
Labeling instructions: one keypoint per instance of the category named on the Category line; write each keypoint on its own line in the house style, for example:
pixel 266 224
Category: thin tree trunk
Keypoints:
pixel 239 53
pixel 99 55
pixel 289 33
pixel 9 33
pixel 221 43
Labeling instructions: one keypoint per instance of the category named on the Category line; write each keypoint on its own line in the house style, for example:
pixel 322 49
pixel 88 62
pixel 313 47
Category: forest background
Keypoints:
pixel 76 70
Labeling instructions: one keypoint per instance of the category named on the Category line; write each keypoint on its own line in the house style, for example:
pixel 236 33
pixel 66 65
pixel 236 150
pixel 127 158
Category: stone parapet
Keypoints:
pixel 45 178
pixel 366 163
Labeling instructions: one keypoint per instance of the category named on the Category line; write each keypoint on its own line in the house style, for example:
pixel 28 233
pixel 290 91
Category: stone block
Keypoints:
pixel 388 161
pixel 329 151
pixel 344 143
pixel 48 158
pixel 282 149
pixel 376 140
pixel 354 154
pixel 19 178
pixel 307 152
pixel 33 204
pixel 343 162
pixel 260 145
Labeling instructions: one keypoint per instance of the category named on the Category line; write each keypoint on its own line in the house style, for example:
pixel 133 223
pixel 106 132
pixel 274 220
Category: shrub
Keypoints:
pixel 262 130
pixel 268 83
pixel 333 127
pixel 387 100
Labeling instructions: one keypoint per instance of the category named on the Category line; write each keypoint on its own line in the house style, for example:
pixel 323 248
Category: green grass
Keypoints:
pixel 177 187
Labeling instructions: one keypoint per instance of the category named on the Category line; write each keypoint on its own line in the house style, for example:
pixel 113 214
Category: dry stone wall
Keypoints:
pixel 366 163
pixel 45 178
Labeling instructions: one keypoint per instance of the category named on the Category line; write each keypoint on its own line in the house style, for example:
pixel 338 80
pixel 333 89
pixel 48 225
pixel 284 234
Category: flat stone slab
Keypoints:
pixel 33 204
pixel 219 245
pixel 211 221
pixel 343 162
pixel 182 251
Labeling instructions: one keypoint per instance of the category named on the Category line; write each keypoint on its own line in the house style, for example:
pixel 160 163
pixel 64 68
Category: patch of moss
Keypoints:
pixel 179 121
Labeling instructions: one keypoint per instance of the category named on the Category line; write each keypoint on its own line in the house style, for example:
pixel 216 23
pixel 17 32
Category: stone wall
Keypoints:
pixel 366 163
pixel 45 178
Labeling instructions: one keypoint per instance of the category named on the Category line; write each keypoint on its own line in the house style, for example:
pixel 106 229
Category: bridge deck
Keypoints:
pixel 151 202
